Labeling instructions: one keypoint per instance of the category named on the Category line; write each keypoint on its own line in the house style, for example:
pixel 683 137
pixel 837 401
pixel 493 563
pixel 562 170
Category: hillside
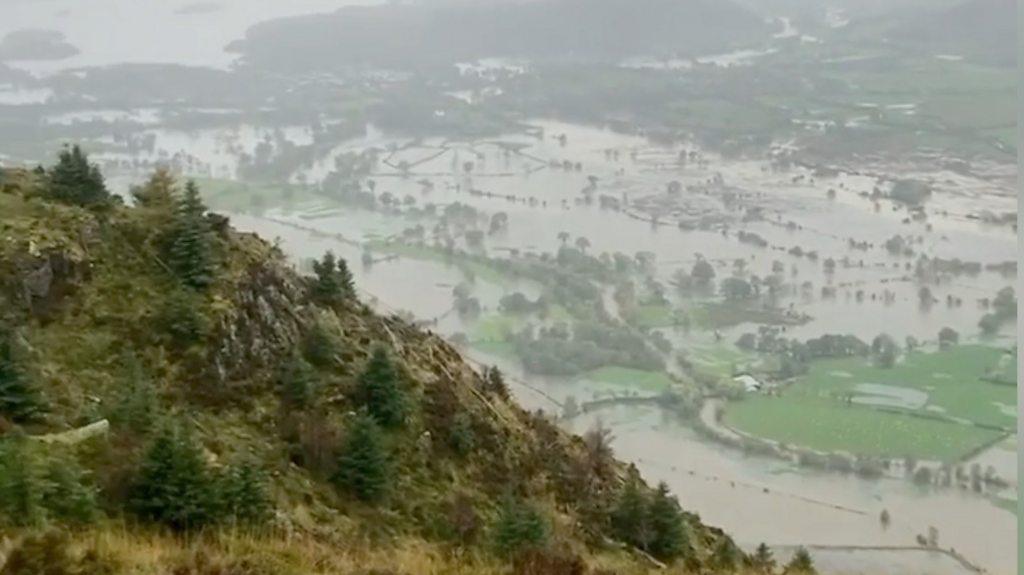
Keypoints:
pixel 391 35
pixel 175 398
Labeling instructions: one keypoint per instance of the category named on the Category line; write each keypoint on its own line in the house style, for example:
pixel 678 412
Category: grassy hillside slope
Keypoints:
pixel 248 420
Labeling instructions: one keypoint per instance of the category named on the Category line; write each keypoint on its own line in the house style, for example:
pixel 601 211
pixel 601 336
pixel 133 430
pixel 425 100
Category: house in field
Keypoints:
pixel 750 383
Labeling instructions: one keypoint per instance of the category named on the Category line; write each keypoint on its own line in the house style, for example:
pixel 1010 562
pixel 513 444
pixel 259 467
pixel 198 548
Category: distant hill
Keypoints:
pixel 983 29
pixel 402 36
pixel 35 45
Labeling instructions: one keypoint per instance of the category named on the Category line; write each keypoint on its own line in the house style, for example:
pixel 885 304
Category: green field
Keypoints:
pixel 655 316
pixel 725 314
pixel 721 359
pixel 934 406
pixel 619 379
pixel 469 265
pixel 236 196
pixel 495 327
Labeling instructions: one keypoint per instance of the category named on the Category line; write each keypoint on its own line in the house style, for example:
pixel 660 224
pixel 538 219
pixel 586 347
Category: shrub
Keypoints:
pixel 296 383
pixel 36 485
pixel 137 406
pixel 320 344
pixel 43 553
pixel 518 527
pixel 243 495
pixel 182 318
pixel 801 563
pixel 548 562
pixel 67 492
pixel 461 437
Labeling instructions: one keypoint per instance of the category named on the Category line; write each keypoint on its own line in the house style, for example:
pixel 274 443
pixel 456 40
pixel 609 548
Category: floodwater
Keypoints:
pixel 748 495
pixel 187 32
pixel 890 396
pixel 745 495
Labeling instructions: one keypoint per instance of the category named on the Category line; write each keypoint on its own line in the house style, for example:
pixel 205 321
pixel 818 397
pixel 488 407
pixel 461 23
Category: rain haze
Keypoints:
pixel 760 252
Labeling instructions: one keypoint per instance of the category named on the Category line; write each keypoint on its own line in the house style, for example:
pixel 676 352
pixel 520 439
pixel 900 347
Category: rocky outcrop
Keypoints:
pixel 265 318
pixel 38 281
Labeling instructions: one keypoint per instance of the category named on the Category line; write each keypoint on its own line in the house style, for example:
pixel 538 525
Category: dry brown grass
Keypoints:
pixel 125 548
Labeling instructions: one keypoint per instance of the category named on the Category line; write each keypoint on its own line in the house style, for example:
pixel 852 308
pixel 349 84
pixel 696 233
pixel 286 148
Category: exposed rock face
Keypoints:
pixel 265 319
pixel 38 282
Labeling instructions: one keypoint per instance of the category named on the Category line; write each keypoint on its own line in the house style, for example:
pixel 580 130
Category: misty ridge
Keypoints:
pixel 409 35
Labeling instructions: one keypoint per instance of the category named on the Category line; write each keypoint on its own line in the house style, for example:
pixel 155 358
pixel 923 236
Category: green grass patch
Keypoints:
pixel 721 359
pixel 725 314
pixel 624 378
pixel 469 265
pixel 495 328
pixel 826 425
pixel 502 349
pixel 234 196
pixel 655 316
pixel 816 411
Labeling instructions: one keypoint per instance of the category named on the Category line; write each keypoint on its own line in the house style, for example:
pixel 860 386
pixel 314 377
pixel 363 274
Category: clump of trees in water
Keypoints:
pixel 1004 311
pixel 585 346
pixel 794 355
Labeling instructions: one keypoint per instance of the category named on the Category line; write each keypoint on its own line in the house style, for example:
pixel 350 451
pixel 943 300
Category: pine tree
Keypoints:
pixel 74 180
pixel 296 382
pixel 67 494
pixel 364 466
pixel 495 383
pixel 160 192
pixel 182 317
pixel 137 405
pixel 379 390
pixel 669 537
pixel 243 494
pixel 726 556
pixel 191 242
pixel 22 484
pixel 326 288
pixel 333 283
pixel 174 486
pixel 801 563
pixel 320 344
pixel 345 280
pixel 630 519
pixel 19 400
pixel 764 560
pixel 518 527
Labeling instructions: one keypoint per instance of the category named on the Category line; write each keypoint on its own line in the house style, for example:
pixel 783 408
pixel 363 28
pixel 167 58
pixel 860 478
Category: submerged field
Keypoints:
pixel 937 405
